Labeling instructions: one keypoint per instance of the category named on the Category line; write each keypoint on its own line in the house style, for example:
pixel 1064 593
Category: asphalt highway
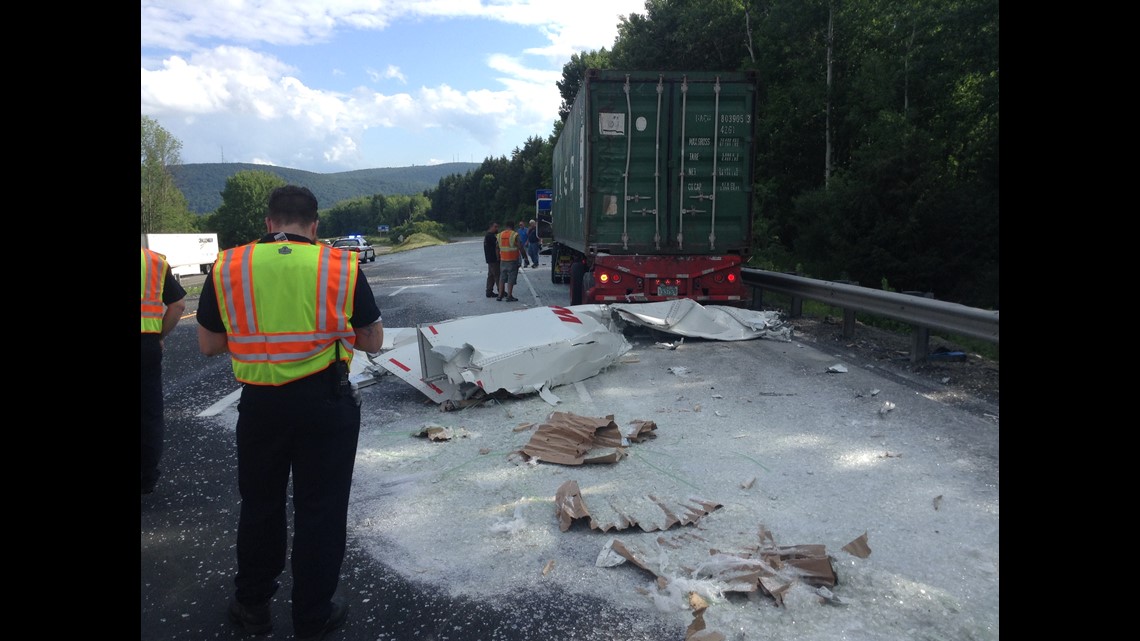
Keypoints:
pixel 188 525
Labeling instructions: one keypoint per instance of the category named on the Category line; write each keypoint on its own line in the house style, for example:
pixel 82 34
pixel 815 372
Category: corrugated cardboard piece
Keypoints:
pixel 766 567
pixel 570 439
pixel 650 513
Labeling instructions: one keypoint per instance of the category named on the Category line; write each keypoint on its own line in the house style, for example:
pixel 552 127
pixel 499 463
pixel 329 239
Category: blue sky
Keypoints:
pixel 337 85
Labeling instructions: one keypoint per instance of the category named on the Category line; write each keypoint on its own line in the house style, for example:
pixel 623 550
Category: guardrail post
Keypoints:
pixel 796 305
pixel 757 298
pixel 848 314
pixel 920 341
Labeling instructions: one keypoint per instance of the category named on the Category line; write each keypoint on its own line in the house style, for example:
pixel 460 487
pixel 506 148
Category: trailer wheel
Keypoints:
pixel 577 271
pixel 556 275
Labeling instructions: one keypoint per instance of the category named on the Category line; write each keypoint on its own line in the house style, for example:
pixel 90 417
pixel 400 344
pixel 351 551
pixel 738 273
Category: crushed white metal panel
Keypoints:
pixel 404 362
pixel 520 351
pixel 366 367
pixel 687 317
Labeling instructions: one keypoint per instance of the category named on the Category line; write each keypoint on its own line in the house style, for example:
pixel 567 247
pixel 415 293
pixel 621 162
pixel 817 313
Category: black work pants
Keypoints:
pixel 152 426
pixel 303 428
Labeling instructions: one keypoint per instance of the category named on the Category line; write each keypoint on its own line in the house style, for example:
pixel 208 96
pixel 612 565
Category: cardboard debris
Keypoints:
pixel 858 547
pixel 650 513
pixel 696 630
pixel 766 567
pixel 570 439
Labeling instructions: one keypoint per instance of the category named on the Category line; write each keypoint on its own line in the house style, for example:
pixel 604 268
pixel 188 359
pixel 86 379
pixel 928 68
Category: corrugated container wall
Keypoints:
pixel 657 163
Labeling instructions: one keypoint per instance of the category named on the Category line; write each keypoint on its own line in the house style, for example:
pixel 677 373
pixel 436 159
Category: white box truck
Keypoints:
pixel 187 254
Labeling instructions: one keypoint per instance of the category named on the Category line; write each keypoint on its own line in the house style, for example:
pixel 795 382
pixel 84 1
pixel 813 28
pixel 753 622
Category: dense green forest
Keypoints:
pixel 877 150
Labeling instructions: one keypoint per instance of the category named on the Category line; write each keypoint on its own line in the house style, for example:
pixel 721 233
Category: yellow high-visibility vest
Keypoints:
pixel 286 306
pixel 153 283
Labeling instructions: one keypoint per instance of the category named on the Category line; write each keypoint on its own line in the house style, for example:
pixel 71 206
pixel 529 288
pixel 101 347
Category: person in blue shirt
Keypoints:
pixel 522 243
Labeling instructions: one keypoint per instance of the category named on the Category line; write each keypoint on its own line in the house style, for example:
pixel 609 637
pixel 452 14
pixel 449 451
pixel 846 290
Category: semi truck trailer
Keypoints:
pixel 653 180
pixel 187 254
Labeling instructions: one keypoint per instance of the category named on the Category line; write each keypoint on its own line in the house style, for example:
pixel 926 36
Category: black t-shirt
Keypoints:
pixel 491 247
pixel 364 308
pixel 172 290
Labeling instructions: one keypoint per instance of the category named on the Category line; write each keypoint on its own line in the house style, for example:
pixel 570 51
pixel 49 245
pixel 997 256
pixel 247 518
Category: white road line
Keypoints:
pixel 216 408
pixel 403 287
pixel 529 286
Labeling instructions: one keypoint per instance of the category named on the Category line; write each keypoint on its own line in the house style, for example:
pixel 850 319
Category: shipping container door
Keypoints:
pixel 671 162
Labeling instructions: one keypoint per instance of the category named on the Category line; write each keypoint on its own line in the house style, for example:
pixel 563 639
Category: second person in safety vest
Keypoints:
pixel 510 253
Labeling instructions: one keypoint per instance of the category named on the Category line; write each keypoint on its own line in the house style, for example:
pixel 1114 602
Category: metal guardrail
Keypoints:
pixel 921 311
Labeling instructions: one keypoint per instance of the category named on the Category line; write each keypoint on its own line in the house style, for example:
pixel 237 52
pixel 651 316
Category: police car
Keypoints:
pixel 356 244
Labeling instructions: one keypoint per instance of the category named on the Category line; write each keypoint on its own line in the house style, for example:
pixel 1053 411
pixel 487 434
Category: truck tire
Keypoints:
pixel 577 273
pixel 555 275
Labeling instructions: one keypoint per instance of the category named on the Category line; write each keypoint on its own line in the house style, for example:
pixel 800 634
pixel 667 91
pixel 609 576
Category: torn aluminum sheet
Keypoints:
pixel 520 351
pixel 650 513
pixel 366 368
pixel 687 317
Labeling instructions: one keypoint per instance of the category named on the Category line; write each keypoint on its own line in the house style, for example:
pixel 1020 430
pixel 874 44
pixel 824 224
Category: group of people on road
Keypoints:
pixel 506 252
pixel 289 312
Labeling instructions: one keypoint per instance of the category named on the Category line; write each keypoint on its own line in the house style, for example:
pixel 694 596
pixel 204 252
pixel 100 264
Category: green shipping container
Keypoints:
pixel 657 163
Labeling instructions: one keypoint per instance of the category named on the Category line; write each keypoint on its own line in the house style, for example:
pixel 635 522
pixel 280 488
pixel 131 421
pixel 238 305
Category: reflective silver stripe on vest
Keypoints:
pixel 263 357
pixel 323 319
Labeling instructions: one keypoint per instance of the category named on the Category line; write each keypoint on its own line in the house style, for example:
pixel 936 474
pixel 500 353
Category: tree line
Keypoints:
pixel 877 151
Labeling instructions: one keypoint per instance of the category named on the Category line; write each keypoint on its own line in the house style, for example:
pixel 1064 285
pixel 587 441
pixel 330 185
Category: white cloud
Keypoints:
pixel 391 72
pixel 224 78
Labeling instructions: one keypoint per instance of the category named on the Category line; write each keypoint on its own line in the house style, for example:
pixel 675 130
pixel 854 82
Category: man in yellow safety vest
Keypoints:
pixel 290 312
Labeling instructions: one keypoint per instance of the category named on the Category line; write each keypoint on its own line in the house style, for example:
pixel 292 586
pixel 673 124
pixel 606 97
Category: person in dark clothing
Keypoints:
pixel 163 302
pixel 491 255
pixel 291 312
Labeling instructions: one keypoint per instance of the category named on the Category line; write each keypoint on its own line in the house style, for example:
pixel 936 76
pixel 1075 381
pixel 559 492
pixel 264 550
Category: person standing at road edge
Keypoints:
pixel 290 312
pixel 491 255
pixel 533 243
pixel 509 252
pixel 160 289
pixel 521 231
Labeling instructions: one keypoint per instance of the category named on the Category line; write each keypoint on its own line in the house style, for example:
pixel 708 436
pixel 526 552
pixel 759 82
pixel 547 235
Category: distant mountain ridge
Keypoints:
pixel 202 183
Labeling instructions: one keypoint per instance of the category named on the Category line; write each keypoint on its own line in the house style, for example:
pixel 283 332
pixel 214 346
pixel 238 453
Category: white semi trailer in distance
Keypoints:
pixel 187 254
